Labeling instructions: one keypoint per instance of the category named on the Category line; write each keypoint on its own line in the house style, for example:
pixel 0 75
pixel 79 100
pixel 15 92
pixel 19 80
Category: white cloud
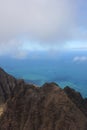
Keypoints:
pixel 21 55
pixel 43 21
pixel 47 23
pixel 39 19
pixel 80 59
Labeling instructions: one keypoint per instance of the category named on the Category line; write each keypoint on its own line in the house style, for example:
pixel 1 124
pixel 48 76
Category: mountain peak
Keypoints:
pixel 42 108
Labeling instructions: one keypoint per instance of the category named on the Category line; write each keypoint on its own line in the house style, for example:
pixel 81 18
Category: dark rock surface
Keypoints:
pixel 76 98
pixel 43 108
pixel 7 84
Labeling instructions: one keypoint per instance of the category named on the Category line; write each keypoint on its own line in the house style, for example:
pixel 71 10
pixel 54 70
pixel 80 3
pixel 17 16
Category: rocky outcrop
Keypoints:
pixel 7 85
pixel 43 108
pixel 76 98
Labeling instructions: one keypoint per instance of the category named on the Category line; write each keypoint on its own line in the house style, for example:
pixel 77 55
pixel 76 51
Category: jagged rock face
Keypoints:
pixel 7 84
pixel 45 108
pixel 77 99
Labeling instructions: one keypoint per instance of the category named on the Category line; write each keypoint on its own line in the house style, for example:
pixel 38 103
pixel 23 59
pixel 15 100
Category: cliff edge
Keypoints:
pixel 49 107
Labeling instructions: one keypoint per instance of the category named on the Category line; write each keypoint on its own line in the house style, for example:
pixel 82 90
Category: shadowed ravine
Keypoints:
pixel 28 107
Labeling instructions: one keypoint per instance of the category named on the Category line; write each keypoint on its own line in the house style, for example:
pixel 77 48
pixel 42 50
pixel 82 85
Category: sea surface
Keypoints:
pixel 62 70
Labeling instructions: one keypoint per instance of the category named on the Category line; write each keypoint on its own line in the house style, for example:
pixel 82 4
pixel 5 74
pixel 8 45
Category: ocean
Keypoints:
pixel 62 70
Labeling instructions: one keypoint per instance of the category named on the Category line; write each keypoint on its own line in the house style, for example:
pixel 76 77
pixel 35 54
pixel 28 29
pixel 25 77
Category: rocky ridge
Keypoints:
pixel 28 107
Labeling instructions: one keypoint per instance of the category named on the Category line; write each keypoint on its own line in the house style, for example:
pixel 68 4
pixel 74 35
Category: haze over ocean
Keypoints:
pixel 45 41
pixel 68 69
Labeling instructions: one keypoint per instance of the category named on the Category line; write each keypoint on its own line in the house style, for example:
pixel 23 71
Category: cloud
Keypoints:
pixel 20 55
pixel 39 19
pixel 43 23
pixel 80 59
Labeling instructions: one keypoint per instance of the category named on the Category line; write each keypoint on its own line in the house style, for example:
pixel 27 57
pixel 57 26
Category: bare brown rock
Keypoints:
pixel 43 108
pixel 76 98
pixel 7 84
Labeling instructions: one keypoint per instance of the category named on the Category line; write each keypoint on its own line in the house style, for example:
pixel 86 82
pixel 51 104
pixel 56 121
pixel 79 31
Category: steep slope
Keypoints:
pixel 41 108
pixel 7 85
pixel 77 99
pixel 45 108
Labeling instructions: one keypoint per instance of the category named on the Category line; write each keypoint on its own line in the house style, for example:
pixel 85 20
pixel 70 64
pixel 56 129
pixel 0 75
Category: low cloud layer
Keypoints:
pixel 80 59
pixel 38 19
pixel 47 23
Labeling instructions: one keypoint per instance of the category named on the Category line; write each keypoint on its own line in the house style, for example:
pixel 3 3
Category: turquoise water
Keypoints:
pixel 63 71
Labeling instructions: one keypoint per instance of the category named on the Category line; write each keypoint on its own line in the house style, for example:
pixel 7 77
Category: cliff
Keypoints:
pixel 7 85
pixel 49 107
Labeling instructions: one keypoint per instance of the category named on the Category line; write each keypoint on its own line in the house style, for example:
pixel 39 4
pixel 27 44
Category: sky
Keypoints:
pixel 28 26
